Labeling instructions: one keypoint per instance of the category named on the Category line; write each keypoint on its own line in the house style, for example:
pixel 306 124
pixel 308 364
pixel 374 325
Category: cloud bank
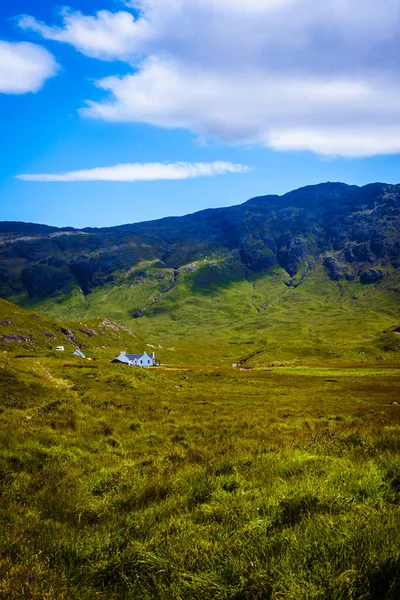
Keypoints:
pixel 24 67
pixel 141 172
pixel 287 74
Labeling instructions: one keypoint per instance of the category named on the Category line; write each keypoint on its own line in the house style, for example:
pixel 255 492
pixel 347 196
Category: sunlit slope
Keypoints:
pixel 314 318
pixel 36 333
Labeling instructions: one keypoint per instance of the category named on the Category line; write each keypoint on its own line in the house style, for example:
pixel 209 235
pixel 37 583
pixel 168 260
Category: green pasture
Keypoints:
pixel 198 482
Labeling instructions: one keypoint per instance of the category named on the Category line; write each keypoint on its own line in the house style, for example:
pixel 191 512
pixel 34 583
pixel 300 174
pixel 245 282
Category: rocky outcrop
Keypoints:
pixel 43 280
pixel 50 335
pixel 258 253
pixel 89 332
pixel 371 276
pixel 70 335
pixel 13 337
pixel 359 253
pixel 292 251
pixel 379 246
pixel 337 271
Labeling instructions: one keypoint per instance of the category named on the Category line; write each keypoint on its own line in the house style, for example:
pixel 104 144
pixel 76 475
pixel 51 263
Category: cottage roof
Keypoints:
pixel 122 358
pixel 134 356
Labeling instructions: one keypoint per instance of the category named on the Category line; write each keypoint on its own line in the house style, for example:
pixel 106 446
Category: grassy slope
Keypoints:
pixel 36 333
pixel 198 483
pixel 225 313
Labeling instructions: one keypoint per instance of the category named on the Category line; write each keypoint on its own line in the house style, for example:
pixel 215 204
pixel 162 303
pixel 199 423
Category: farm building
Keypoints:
pixel 137 360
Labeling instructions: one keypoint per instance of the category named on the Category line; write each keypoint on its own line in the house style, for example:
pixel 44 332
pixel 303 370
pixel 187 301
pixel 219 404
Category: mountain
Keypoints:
pixel 319 263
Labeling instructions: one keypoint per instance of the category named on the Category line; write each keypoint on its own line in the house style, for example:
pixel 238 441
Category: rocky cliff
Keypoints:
pixel 354 231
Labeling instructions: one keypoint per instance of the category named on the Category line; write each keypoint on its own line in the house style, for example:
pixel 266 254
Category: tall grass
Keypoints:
pixel 122 483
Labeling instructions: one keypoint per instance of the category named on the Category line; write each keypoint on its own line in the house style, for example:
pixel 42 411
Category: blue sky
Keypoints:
pixel 206 103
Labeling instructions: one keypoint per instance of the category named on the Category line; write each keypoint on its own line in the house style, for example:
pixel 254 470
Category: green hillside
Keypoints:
pixel 209 303
pixel 34 333
pixel 311 276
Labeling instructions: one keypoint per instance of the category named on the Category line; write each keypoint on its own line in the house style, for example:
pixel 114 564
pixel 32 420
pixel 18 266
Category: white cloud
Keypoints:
pixel 24 67
pixel 334 117
pixel 106 35
pixel 142 172
pixel 352 143
pixel 288 74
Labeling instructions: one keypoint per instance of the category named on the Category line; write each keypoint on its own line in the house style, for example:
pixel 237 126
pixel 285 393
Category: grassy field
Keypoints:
pixel 198 483
pixel 275 480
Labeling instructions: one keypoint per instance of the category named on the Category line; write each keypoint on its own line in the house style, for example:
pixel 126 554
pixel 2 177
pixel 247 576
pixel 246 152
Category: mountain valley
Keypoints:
pixel 261 460
pixel 309 276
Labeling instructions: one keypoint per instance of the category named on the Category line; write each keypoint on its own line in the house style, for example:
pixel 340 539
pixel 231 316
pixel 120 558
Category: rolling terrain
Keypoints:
pixel 309 276
pixel 195 482
pixel 275 480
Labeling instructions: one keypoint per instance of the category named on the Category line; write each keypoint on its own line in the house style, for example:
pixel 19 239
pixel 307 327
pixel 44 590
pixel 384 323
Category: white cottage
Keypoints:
pixel 137 360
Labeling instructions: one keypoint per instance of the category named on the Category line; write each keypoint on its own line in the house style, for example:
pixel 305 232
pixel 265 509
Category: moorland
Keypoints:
pixel 278 478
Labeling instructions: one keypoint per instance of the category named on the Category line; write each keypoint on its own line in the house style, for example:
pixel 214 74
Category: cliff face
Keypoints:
pixel 354 232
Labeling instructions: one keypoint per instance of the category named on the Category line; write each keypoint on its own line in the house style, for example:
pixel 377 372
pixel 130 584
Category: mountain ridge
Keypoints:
pixel 266 231
pixel 295 275
pixel 6 225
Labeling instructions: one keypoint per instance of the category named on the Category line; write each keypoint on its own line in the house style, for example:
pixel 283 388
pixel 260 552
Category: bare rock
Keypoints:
pixel 371 276
pixel 70 334
pixel 22 339
pixel 335 270
pixel 89 332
